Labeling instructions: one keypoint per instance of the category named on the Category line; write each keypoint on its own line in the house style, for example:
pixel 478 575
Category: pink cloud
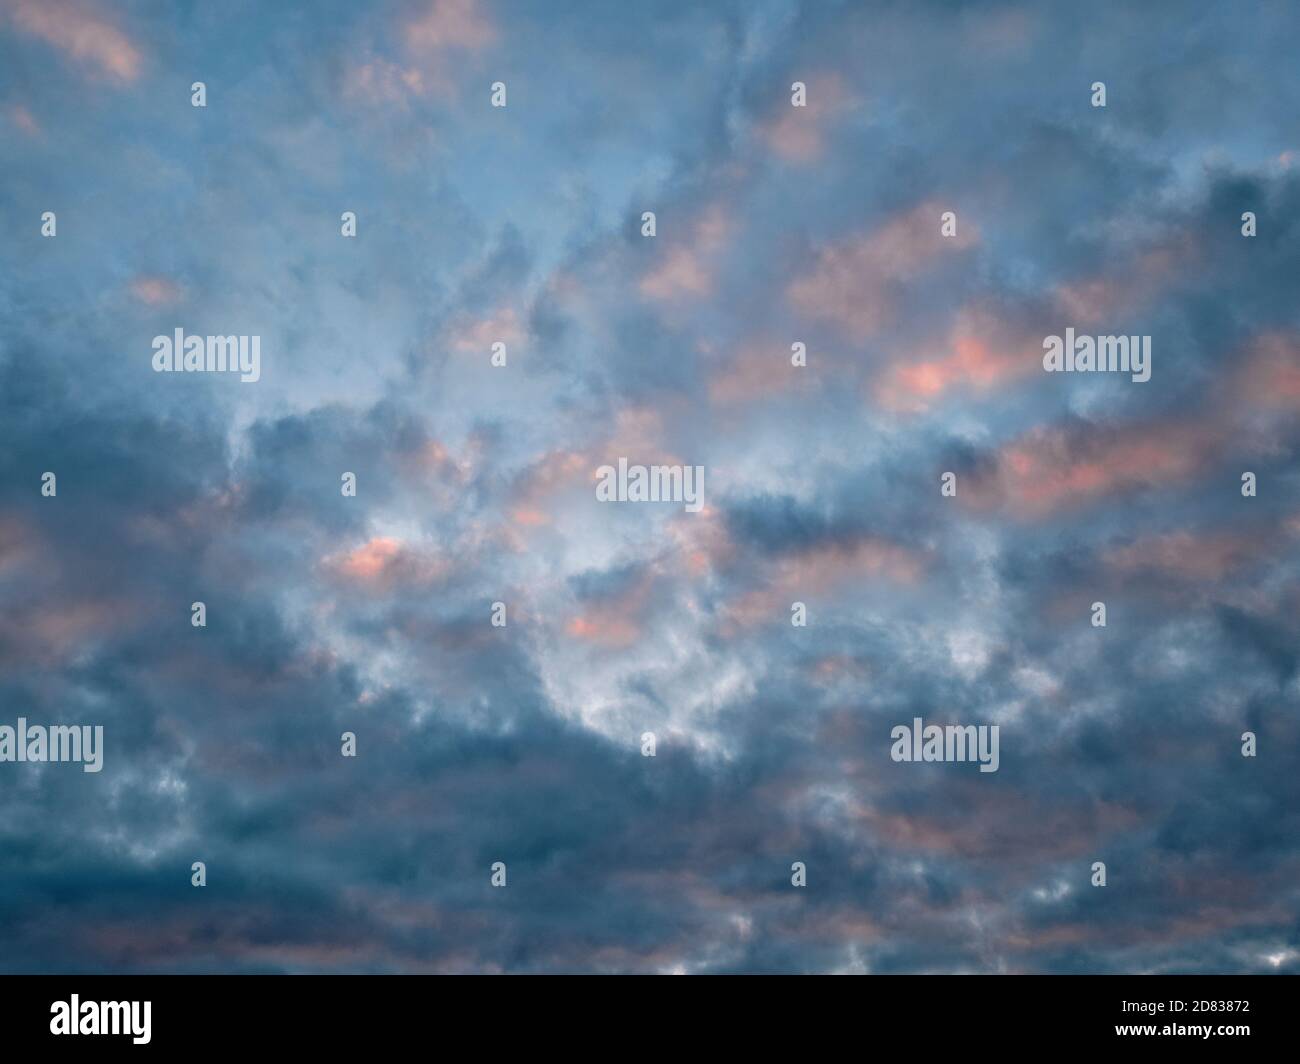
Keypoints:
pixel 1000 33
pixel 450 24
pixel 823 571
pixel 555 473
pixel 155 291
pixel 24 119
pixel 854 283
pixel 701 541
pixel 384 562
pixel 56 631
pixel 1271 373
pixel 18 543
pixel 433 458
pixel 979 823
pixel 430 40
pixel 476 336
pixel 605 626
pixel 617 620
pixel 1109 296
pixel 370 559
pixel 1186 556
pixel 758 371
pixel 686 270
pixel 1052 469
pixel 637 433
pixel 797 134
pixel 76 28
pixel 380 81
pixel 834 667
pixel 981 353
pixel 682 273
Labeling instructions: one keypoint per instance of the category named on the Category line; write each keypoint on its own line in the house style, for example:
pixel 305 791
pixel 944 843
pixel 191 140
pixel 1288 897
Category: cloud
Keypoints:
pixel 685 271
pixel 435 35
pixel 372 613
pixel 1062 468
pixel 24 119
pixel 854 283
pixel 82 31
pixel 155 291
pixel 798 134
pixel 449 24
pixel 981 353
pixel 384 561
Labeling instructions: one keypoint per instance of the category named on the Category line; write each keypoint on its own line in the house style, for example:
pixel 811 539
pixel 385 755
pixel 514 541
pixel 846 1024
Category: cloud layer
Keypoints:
pixel 522 744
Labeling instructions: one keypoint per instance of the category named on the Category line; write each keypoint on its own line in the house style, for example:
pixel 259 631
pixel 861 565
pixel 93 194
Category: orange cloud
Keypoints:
pixel 76 28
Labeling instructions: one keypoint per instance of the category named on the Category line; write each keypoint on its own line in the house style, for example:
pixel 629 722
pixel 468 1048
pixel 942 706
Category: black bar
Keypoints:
pixel 337 1014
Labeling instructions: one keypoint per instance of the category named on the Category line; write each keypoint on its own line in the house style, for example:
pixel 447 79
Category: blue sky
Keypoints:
pixel 775 225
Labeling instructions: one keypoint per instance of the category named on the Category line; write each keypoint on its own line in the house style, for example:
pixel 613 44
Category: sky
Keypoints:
pixel 475 484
